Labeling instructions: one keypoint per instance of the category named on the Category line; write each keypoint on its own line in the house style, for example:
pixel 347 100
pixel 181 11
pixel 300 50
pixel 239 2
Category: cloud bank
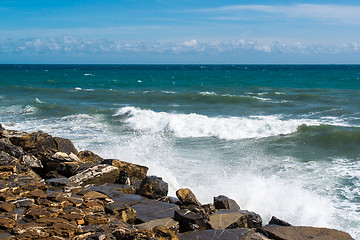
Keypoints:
pixel 80 45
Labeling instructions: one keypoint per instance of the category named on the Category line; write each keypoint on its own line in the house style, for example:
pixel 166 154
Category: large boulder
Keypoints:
pixel 190 221
pixel 134 171
pixel 153 187
pixel 65 145
pixel 300 233
pixel 148 210
pixel 238 234
pixel 227 219
pixel 97 175
pixel 223 202
pixel 187 197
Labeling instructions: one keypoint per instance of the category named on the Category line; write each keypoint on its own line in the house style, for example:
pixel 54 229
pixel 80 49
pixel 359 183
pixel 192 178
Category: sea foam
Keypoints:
pixel 196 125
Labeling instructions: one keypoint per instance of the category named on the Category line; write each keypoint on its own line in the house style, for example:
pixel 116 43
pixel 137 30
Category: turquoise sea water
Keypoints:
pixel 281 140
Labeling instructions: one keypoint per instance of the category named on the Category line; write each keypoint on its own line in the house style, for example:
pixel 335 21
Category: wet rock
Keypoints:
pixel 222 234
pixel 300 233
pixel 8 147
pixel 134 171
pixel 97 175
pixel 149 210
pixel 88 156
pixel 187 197
pixel 31 161
pixel 65 145
pixel 153 187
pixel 227 219
pixel 223 202
pixel 275 221
pixel 190 221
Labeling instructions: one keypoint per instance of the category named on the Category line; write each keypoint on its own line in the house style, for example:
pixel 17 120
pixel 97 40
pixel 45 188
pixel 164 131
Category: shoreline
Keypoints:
pixel 49 190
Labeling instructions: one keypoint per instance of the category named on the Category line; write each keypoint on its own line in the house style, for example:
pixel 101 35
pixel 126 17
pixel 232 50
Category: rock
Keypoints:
pixel 169 223
pixel 97 175
pixel 190 221
pixel 24 202
pixel 93 206
pixel 31 161
pixel 122 211
pixel 223 202
pixel 8 147
pixel 1 127
pixel 170 199
pixel 6 223
pixel 69 169
pixel 148 210
pixel 227 219
pixel 95 219
pixel 153 187
pixel 38 143
pixel 275 221
pixel 11 133
pixel 300 233
pixel 124 178
pixel 135 172
pixel 238 234
pixel 7 207
pixel 88 156
pixel 6 158
pixel 65 145
pixel 58 182
pixel 95 195
pixel 187 197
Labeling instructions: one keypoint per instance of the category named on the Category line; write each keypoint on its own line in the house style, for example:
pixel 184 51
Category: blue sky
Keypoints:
pixel 179 31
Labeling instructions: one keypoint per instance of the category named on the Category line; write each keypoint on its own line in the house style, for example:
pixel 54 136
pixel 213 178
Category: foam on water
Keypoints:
pixel 195 125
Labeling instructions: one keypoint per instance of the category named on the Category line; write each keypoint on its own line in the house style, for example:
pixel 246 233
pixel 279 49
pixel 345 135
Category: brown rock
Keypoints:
pixel 7 223
pixel 153 187
pixel 78 218
pixel 95 195
pixel 67 230
pixel 227 219
pixel 94 219
pixel 88 156
pixel 275 221
pixel 38 193
pixel 168 223
pixel 8 168
pixel 187 197
pixel 94 206
pixel 300 233
pixel 135 172
pixel 7 207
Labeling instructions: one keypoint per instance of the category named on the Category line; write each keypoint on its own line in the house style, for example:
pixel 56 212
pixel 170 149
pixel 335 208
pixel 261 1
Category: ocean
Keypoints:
pixel 281 140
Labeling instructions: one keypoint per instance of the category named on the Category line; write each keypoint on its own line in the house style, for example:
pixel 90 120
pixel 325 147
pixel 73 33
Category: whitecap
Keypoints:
pixel 89 74
pixel 195 125
pixel 38 100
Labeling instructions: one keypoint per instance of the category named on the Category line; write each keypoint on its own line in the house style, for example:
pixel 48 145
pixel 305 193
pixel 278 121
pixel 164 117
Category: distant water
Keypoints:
pixel 281 140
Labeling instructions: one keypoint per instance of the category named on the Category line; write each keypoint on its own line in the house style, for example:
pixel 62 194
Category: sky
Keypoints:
pixel 180 31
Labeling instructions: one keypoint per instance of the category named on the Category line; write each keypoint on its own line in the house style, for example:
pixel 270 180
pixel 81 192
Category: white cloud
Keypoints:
pixel 79 45
pixel 335 13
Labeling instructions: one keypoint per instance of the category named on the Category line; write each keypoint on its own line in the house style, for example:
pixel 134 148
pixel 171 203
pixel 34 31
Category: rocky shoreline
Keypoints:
pixel 49 190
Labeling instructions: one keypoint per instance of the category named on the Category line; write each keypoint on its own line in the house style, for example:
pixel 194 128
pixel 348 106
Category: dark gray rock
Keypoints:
pixel 223 202
pixel 275 221
pixel 153 187
pixel 8 147
pixel 148 210
pixel 300 233
pixel 59 182
pixel 228 234
pixel 65 145
pixel 190 221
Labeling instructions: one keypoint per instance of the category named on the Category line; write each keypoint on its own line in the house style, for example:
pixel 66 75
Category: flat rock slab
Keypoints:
pixel 149 210
pixel 222 234
pixel 300 233
pixel 129 199
pixel 227 219
pixel 169 223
